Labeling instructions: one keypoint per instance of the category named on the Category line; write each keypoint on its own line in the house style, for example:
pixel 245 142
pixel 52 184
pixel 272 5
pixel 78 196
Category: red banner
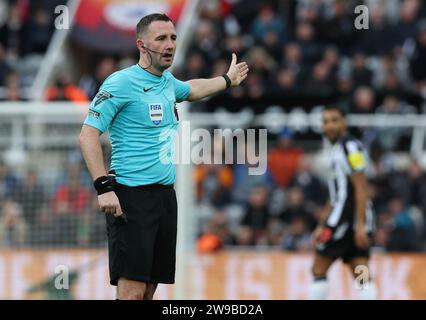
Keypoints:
pixel 109 25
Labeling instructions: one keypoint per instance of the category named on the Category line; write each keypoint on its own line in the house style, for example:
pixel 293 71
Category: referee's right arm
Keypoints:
pixel 107 103
pixel 92 153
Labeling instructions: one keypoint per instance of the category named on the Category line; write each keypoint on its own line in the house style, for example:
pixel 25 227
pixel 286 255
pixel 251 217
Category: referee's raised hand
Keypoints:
pixel 237 72
pixel 109 203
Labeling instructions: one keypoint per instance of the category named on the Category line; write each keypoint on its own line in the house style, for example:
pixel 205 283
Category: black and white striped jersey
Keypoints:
pixel 347 156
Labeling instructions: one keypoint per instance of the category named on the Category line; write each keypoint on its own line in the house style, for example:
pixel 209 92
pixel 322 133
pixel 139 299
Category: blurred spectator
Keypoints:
pixel 233 44
pixel 416 179
pixel 379 38
pixel 311 48
pixel 42 232
pixel 245 236
pixel 4 66
pixel 196 66
pixel 381 235
pixel 403 235
pixel 13 228
pixel 91 230
pixel 268 22
pixel 298 238
pixel 65 90
pixel 216 234
pixel 245 183
pixel 84 229
pixel 418 58
pixel 406 27
pixel 345 88
pixel 71 198
pixel 293 60
pixel 214 184
pixel 261 63
pixel 364 100
pixel 339 28
pixel 63 230
pixel 220 67
pixel 13 91
pixel 268 29
pixel 362 76
pixel 284 160
pixel 8 180
pixel 389 138
pixel 30 194
pixel 12 32
pixel 255 86
pixel 392 105
pixel 91 83
pixel 286 80
pixel 331 59
pixel 275 231
pixel 313 189
pixel 206 40
pixel 257 214
pixel 41 29
pixel 74 167
pixel 321 83
pixel 296 209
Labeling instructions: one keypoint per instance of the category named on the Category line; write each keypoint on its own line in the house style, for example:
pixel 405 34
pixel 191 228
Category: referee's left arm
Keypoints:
pixel 201 88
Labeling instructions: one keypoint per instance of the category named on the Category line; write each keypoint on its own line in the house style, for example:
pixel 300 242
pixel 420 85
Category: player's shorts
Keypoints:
pixel 344 247
pixel 143 248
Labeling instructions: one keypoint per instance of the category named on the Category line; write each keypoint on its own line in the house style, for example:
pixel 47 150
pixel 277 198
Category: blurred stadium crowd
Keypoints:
pixel 301 53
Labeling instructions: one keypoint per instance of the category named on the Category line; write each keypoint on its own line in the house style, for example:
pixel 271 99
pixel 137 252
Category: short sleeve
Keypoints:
pixel 109 100
pixel 182 89
pixel 355 156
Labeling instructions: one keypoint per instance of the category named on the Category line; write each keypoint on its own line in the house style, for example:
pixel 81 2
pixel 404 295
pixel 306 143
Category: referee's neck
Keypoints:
pixel 151 71
pixel 148 67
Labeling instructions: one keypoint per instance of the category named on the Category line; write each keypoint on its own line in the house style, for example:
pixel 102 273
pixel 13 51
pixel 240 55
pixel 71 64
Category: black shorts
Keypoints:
pixel 344 247
pixel 144 247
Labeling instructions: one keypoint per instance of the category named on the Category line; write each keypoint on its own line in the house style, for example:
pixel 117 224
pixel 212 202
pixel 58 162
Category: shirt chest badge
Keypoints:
pixel 156 113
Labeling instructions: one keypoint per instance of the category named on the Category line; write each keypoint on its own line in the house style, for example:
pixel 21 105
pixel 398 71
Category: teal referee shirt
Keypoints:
pixel 139 111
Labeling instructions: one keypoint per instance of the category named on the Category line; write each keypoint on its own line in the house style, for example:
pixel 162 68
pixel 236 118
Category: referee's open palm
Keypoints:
pixel 237 72
pixel 109 203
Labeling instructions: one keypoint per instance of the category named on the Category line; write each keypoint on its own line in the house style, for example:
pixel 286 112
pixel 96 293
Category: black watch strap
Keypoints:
pixel 227 79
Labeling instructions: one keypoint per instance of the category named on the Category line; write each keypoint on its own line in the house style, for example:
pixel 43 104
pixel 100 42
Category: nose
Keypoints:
pixel 170 45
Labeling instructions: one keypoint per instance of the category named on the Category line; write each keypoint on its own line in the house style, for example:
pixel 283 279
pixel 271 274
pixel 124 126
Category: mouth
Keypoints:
pixel 167 55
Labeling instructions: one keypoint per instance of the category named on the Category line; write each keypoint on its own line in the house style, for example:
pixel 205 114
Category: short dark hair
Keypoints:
pixel 143 24
pixel 334 107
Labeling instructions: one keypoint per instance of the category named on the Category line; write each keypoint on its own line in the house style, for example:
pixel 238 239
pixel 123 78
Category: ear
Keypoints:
pixel 139 44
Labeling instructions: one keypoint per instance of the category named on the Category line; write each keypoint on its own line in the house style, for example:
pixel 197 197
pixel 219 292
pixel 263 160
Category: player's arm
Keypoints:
pixel 359 182
pixel 321 222
pixel 324 214
pixel 357 163
pixel 201 88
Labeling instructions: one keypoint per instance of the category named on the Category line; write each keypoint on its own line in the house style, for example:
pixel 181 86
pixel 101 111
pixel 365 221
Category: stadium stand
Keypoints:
pixel 301 53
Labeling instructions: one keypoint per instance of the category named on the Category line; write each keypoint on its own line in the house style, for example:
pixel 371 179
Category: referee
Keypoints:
pixel 137 106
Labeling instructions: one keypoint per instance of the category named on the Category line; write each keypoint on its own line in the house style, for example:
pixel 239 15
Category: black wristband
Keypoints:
pixel 227 79
pixel 104 184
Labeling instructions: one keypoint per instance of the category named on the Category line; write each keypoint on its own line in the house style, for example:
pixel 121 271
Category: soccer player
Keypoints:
pixel 344 229
pixel 137 106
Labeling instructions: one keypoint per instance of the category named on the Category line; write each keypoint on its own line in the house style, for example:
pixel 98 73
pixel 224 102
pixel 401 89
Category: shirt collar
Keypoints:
pixel 148 74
